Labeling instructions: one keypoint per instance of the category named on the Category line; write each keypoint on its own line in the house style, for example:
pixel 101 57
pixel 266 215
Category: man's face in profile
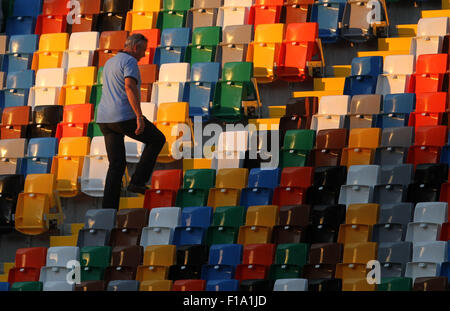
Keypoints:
pixel 140 50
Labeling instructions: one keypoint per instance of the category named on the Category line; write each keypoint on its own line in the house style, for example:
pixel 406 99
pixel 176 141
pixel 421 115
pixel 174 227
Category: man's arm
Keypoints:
pixel 133 98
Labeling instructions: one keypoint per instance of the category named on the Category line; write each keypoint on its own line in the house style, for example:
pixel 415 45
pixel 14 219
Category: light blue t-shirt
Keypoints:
pixel 114 105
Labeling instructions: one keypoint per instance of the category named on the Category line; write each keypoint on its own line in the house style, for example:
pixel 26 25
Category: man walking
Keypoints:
pixel 119 114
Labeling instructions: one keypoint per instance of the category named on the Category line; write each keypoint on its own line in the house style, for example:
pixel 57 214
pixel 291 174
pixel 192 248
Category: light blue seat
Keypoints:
pixel 17 89
pixel 222 286
pixel 174 42
pixel 20 52
pixel 364 75
pixel 40 155
pixel 223 259
pixel 261 184
pixel 396 109
pixel 328 13
pixel 204 77
pixel 194 225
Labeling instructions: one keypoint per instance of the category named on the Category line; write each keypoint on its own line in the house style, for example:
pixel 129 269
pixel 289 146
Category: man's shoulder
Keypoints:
pixel 122 58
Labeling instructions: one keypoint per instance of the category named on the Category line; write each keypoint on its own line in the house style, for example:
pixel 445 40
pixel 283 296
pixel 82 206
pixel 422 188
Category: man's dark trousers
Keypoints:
pixel 115 146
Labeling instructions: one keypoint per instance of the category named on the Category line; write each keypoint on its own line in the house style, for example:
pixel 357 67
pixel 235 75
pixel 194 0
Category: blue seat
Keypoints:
pixel 4 286
pixel 194 225
pixel 20 53
pixel 24 25
pixel 204 77
pixel 27 8
pixel 40 155
pixel 396 110
pixel 445 153
pixel 261 184
pixel 222 286
pixel 174 42
pixel 445 270
pixel 17 89
pixel 223 259
pixel 364 75
pixel 328 14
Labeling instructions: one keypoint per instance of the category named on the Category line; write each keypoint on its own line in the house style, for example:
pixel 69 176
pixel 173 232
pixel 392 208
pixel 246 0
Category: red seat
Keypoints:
pixel 189 285
pixel 444 195
pixel 430 71
pixel 427 144
pixel 266 12
pixel 89 9
pixel 164 188
pixel 256 261
pixel 34 257
pixel 111 42
pixel 53 18
pixel 153 37
pixel 149 75
pixel 293 186
pixel 445 232
pixel 297 50
pixel 298 11
pixel 76 120
pixel 328 148
pixel 24 275
pixel 430 108
pixel 15 121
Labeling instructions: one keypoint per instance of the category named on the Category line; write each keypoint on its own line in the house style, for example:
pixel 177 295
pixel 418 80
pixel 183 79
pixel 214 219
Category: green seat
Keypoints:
pixel 192 197
pixel 296 147
pixel 289 261
pixel 236 86
pixel 225 225
pixel 94 130
pixel 174 13
pixel 96 91
pixel 204 44
pixel 27 287
pixel 94 260
pixel 196 185
pixel 395 284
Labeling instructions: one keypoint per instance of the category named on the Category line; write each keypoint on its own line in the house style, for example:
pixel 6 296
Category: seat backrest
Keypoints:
pixel 292 254
pixel 127 256
pixel 84 41
pixel 55 7
pixel 176 5
pixel 367 66
pixel 167 179
pixel 45 147
pixel 302 32
pixel 207 4
pixel 264 178
pixel 33 257
pixel 264 215
pixel 54 42
pixel 364 138
pixel 16 115
pixel 431 102
pixel 233 141
pixel 27 7
pixel 399 64
pixel 430 251
pixel 205 72
pixel 52 77
pixel 169 217
pixel 401 103
pixel 40 183
pixel 363 175
pixel 81 113
pixel 173 112
pixel 431 173
pixel 206 36
pixel 95 256
pixel 299 140
pixel 237 3
pixel 175 37
pixel 74 146
pixel 331 139
pixel 401 213
pixel 401 174
pixel 334 105
pixel 60 256
pixel 258 254
pixel 98 146
pixel 174 72
pixel 89 6
pixel 366 104
pixel 116 6
pixel 237 71
pixel 430 136
pixel 149 73
pixel 13 148
pixel 132 218
pixel 301 177
pixel 20 79
pixel 26 44
pixel 237 34
pixel 196 216
pixel 434 212
pixel 52 114
pixel 225 254
pixel 113 40
pixel 232 216
pixel 395 252
pixel 235 178
pixel 100 219
pixel 160 255
pixel 153 36
pixel 81 76
pixel 146 6
pixel 433 26
pixel 432 64
pixel 199 178
pixel 269 33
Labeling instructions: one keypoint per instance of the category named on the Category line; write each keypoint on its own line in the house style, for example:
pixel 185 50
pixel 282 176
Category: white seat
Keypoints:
pixel 431 212
pixel 232 146
pixel 331 112
pixel 234 12
pixel 82 46
pixel 355 194
pixel 95 168
pixel 430 251
pixel 53 274
pixel 171 83
pixel 59 286
pixel 133 149
pixel 422 232
pixel 291 285
pixel 11 151
pixel 396 72
pixel 161 226
pixel 149 110
pixel 430 36
pixel 60 256
pixel 421 269
pixel 48 87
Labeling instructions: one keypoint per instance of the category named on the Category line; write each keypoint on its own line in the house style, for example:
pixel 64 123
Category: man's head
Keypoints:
pixel 136 45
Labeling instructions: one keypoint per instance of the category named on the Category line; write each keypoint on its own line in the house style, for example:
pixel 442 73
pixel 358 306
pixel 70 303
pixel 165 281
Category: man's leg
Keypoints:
pixel 115 147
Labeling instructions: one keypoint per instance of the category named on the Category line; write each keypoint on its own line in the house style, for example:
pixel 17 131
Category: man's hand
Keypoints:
pixel 140 125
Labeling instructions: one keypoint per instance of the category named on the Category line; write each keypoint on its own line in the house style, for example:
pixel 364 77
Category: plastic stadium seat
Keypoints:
pixel 256 285
pixel 325 223
pixel 234 12
pixel 361 147
pixel 189 285
pixel 4 286
pixel 133 149
pixel 328 14
pixel 298 11
pixel 196 185
pixel 27 8
pixel 324 285
pixel 11 186
pixel 204 77
pixel 56 266
pixel 266 12
pixel 396 110
pixel 256 261
pixel 51 51
pixel 430 71
pixel 58 286
pixel 194 224
pixel 393 257
pixel 48 87
pixel 124 263
pixel 325 253
pixel 82 46
pixel 76 119
pixel 164 187
pixel 153 37
pixel 328 148
pixel 235 41
pixel 123 286
pixel 20 53
pixel 111 42
pixel 161 285
pixel 430 109
pixel 174 13
pixel 395 284
pixel 416 270
pixel 28 263
pixel 430 284
pixel 78 85
pixel 360 252
pixel 296 147
pixel 365 214
pixel 225 226
pixel 229 183
pixel 171 85
pixel 392 222
pixel 428 141
pixel 231 150
pixel 354 277
pixel 95 168
pixel 26 286
pixel 327 184
pixel 204 44
pixel 156 263
pixel 67 166
pixel 361 180
pixel 34 205
pixel 144 15
pixel 289 261
pixel 53 18
pixel 97 228
pixel 12 158
pixel 17 89
pixel 396 75
pixel 363 110
pixel 428 179
pixel 265 51
pixel 129 225
pixel 258 152
pixel 293 185
pixel 15 122
pixel 261 184
pixel 431 33
pixel 436 251
pixel 394 145
pixel 222 285
pixel 190 259
pixel 204 13
pixel 394 181
pixel 259 223
pixel 94 260
pixel 364 75
pixel 149 75
pixel 113 15
pixel 431 212
pixel 223 259
pixel 45 121
pixel 332 110
pixel 89 10
pixel 174 43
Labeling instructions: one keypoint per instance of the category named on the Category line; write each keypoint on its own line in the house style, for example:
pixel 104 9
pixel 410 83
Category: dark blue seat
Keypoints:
pixel 445 270
pixel 204 77
pixel 23 25
pixel 223 259
pixel 328 13
pixel 4 286
pixel 40 155
pixel 396 109
pixel 20 53
pixel 17 89
pixel 174 42
pixel 261 184
pixel 222 286
pixel 445 153
pixel 194 225
pixel 27 8
pixel 364 75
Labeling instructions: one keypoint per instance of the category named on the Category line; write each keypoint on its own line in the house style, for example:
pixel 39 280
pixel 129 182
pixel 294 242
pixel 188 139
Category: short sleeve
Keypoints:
pixel 131 70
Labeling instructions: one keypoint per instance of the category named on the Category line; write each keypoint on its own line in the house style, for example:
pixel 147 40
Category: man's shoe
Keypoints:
pixel 136 189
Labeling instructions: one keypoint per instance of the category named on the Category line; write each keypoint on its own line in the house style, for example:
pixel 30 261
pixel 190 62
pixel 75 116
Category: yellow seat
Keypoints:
pixel 354 277
pixel 361 147
pixel 407 30
pixel 394 44
pixel 193 164
pixel 342 70
pixel 38 205
pixel 445 4
pixel 51 50
pixel 68 165
pixel 136 202
pixel 264 51
pixel 435 13
pixel 79 84
pixel 143 16
pixel 75 228
pixel 383 53
pixel 269 124
pixel 354 233
pixel 258 225
pixel 156 286
pixel 318 94
pixel 223 197
pixel 329 84
pixel 364 214
pixel 157 260
pixel 6 267
pixel 360 252
pixel 234 178
pixel 277 111
pixel 67 240
pixel 254 235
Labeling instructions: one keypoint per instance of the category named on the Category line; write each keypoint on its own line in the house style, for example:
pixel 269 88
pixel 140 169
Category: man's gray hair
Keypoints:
pixel 135 39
